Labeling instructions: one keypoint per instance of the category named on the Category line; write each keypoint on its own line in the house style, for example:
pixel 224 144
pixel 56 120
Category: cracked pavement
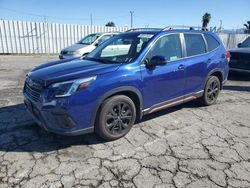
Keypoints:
pixel 184 146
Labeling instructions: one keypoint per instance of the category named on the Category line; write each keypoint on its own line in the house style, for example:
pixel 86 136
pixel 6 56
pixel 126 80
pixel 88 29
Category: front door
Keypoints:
pixel 164 82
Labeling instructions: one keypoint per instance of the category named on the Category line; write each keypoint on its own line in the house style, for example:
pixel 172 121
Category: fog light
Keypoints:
pixel 65 121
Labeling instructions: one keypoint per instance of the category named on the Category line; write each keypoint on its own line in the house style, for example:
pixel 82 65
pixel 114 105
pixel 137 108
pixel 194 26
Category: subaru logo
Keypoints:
pixel 29 82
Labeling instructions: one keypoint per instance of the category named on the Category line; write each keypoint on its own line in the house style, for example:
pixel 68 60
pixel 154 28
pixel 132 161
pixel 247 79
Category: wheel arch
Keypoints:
pixel 218 73
pixel 133 93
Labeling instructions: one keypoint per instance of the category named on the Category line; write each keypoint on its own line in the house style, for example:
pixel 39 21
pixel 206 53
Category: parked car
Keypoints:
pixel 85 45
pixel 131 75
pixel 240 57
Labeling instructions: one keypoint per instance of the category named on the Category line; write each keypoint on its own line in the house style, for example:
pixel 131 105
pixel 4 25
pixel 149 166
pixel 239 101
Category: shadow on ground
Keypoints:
pixel 18 132
pixel 235 77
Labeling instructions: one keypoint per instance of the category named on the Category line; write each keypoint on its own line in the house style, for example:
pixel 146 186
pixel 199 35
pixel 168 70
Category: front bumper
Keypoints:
pixel 55 119
pixel 239 70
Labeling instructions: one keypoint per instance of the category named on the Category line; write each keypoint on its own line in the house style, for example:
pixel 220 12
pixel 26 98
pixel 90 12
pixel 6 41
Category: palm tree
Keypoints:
pixel 247 30
pixel 205 20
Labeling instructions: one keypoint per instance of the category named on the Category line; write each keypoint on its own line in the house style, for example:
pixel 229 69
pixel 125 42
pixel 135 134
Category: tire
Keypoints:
pixel 211 91
pixel 116 117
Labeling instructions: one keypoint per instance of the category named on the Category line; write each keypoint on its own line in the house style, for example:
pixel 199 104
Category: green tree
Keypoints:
pixel 110 24
pixel 205 20
pixel 247 27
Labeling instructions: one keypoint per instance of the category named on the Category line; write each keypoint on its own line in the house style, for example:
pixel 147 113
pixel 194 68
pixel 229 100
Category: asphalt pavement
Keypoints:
pixel 184 146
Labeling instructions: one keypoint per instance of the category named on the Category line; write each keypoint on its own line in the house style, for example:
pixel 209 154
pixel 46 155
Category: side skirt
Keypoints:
pixel 173 102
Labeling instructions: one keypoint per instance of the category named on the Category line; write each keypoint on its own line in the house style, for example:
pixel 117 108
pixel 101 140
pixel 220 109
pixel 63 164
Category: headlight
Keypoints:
pixel 68 88
pixel 74 52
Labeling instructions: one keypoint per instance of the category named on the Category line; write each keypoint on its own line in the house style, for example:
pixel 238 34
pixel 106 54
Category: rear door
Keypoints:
pixel 196 62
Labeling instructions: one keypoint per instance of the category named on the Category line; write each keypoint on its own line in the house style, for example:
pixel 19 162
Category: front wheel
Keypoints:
pixel 211 91
pixel 116 117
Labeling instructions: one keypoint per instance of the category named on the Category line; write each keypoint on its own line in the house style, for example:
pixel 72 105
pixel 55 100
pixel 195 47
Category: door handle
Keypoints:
pixel 181 67
pixel 209 60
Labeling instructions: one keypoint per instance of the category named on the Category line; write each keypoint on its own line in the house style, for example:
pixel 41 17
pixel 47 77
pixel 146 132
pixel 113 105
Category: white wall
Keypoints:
pixel 232 40
pixel 37 37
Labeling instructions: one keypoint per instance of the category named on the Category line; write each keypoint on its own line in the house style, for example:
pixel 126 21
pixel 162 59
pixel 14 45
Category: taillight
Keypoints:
pixel 227 55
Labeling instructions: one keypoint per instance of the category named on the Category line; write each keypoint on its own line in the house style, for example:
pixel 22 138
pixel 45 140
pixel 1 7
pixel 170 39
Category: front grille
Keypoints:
pixel 33 89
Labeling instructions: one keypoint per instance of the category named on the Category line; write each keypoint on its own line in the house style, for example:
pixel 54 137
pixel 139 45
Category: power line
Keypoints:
pixel 60 18
pixel 42 16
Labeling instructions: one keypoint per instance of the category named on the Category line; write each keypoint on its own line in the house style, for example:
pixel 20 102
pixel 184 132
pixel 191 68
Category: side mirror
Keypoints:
pixel 156 60
pixel 239 45
pixel 96 44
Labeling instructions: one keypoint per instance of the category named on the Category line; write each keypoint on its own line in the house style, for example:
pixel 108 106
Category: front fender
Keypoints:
pixel 114 91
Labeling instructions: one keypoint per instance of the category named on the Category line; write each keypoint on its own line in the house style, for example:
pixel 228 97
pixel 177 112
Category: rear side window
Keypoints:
pixel 195 44
pixel 212 43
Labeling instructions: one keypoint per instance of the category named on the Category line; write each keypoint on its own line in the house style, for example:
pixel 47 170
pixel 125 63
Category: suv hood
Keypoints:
pixel 74 47
pixel 70 69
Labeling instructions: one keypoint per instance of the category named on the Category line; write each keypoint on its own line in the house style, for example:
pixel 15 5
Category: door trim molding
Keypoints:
pixel 173 102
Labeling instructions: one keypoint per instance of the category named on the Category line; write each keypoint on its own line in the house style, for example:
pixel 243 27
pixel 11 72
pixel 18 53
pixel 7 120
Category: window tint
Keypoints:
pixel 168 46
pixel 195 44
pixel 212 43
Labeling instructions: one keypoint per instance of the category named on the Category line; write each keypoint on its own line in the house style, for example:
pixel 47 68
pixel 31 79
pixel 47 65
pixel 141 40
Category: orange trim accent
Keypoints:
pixel 154 109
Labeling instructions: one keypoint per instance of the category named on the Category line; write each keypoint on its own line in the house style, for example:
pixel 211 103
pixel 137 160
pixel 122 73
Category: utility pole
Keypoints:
pixel 91 20
pixel 44 19
pixel 131 16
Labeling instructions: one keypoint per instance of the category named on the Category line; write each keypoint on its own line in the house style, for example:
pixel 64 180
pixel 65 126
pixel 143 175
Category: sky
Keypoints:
pixel 152 13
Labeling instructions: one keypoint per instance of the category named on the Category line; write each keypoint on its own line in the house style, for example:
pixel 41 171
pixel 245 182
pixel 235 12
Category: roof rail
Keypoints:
pixel 168 28
pixel 181 27
pixel 143 29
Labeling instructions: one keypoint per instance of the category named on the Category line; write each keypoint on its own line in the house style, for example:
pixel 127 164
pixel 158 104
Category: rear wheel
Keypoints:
pixel 211 91
pixel 116 117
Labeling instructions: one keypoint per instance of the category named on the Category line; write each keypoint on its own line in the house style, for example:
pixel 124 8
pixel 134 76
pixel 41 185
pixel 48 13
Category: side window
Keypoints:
pixel 104 38
pixel 168 46
pixel 212 43
pixel 141 45
pixel 195 44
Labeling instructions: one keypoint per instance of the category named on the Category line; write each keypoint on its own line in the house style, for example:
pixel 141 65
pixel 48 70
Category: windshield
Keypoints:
pixel 123 48
pixel 89 39
pixel 246 43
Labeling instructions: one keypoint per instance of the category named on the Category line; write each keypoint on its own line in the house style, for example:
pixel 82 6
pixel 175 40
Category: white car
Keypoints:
pixel 85 45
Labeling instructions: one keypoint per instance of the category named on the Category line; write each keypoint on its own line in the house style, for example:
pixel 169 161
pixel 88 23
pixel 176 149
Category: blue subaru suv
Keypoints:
pixel 130 75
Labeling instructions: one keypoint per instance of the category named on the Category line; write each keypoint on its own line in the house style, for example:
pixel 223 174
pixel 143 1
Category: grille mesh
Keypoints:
pixel 33 89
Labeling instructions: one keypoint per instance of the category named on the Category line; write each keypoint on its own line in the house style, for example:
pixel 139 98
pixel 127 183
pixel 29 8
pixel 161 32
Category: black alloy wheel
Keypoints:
pixel 211 91
pixel 117 115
